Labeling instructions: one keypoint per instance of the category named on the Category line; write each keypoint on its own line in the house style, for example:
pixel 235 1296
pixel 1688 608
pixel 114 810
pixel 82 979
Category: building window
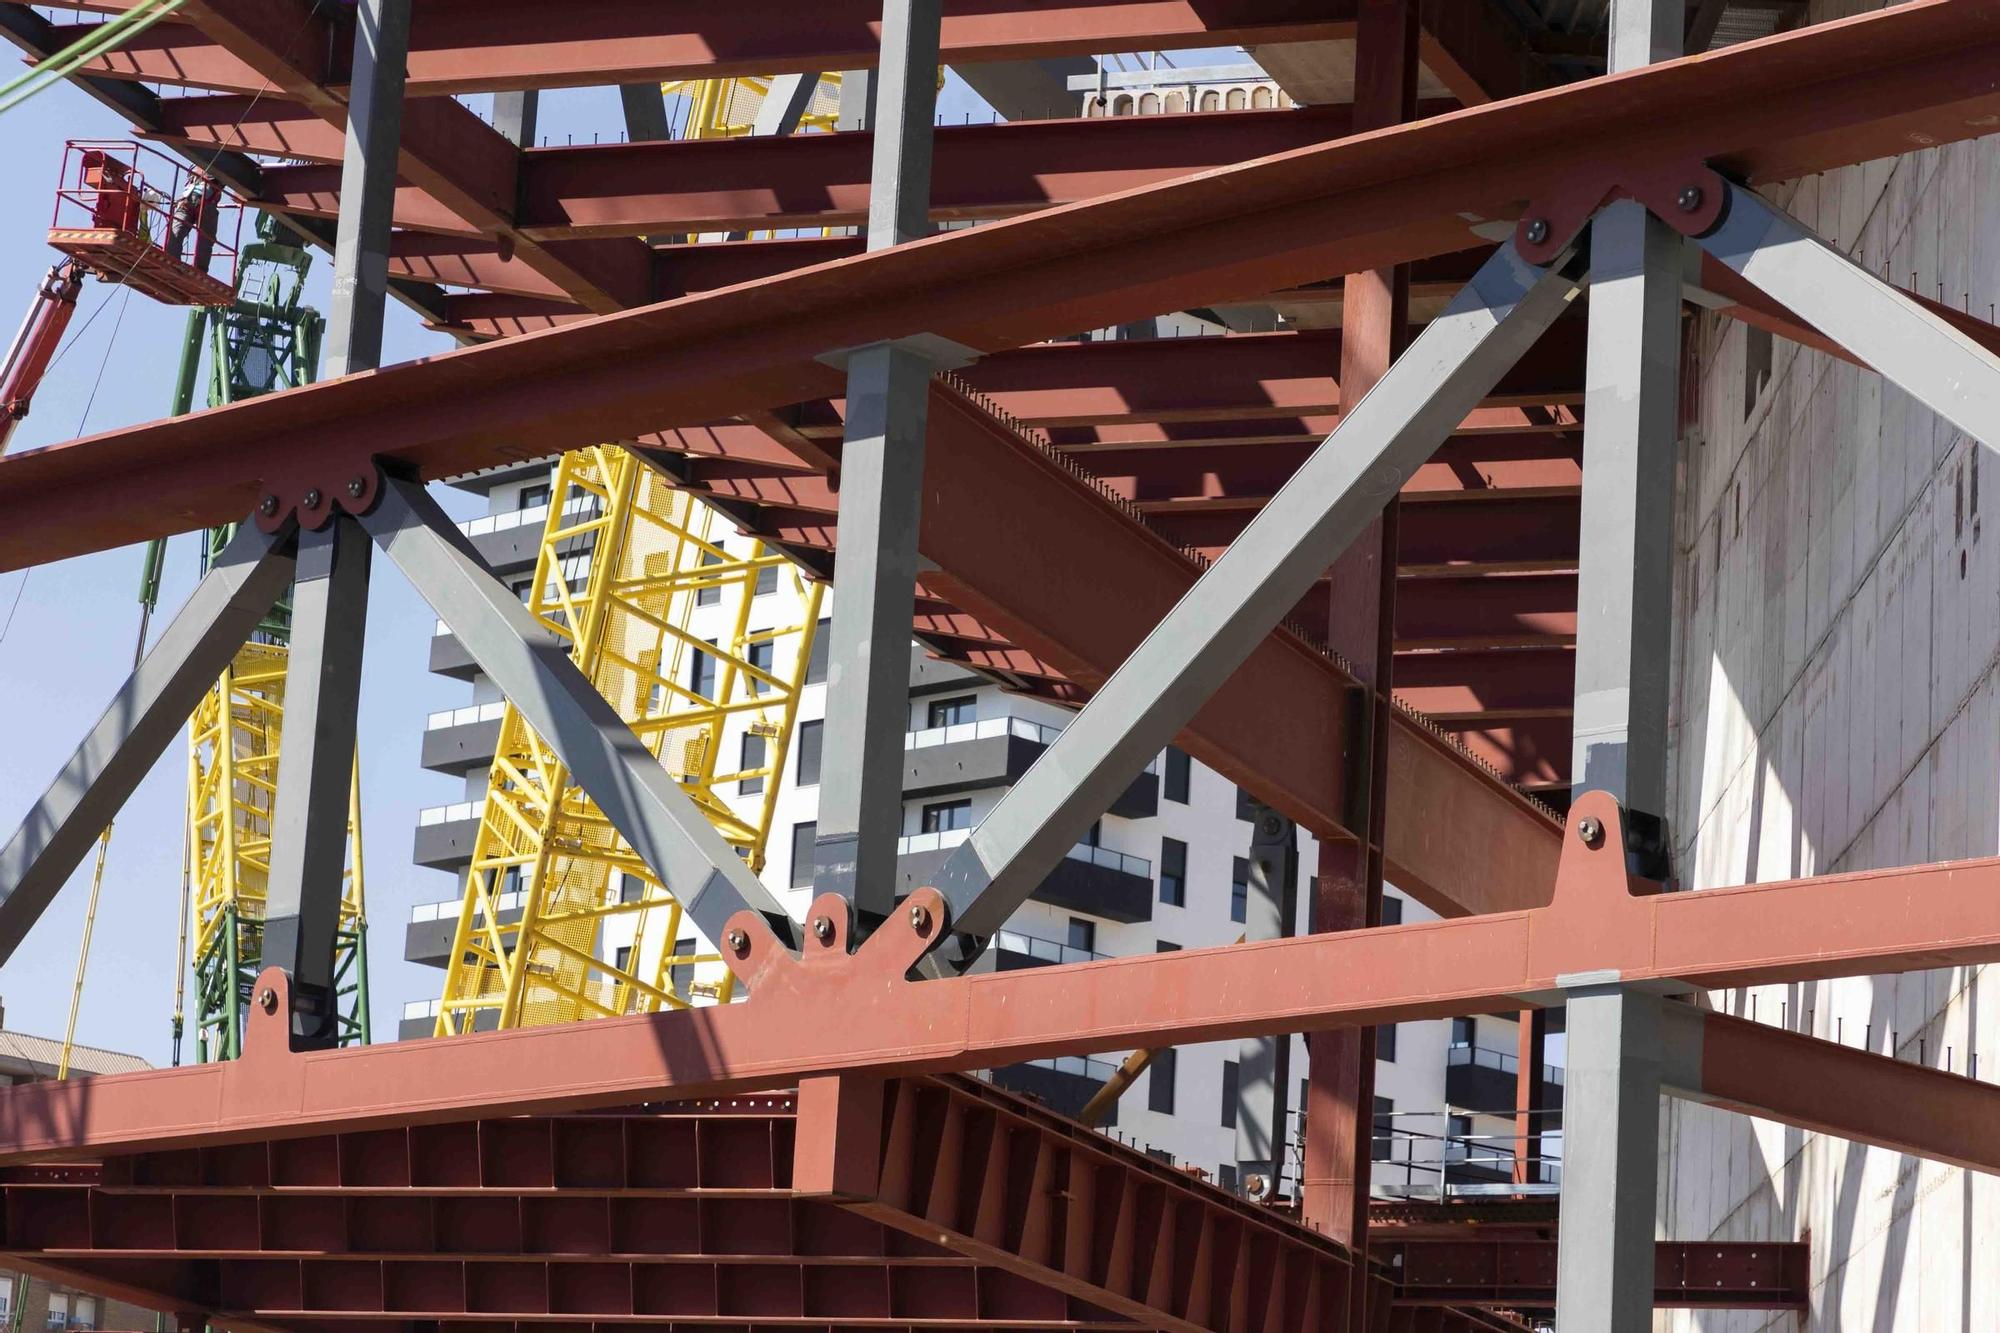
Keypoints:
pixel 1160 1087
pixel 951 712
pixel 760 654
pixel 753 758
pixel 944 816
pixel 802 853
pixel 1239 890
pixel 531 496
pixel 1174 781
pixel 631 888
pixel 682 977
pixel 767 581
pixel 1458 1137
pixel 1392 911
pixel 1082 934
pixel 816 659
pixel 523 589
pixel 701 673
pixel 83 1312
pixel 808 739
pixel 710 594
pixel 1246 806
pixel 1173 872
pixel 622 959
pixel 1232 1092
pixel 1461 1031
pixel 1225 1176
pixel 58 1310
pixel 1385 1042
pixel 1384 1147
pixel 1165 946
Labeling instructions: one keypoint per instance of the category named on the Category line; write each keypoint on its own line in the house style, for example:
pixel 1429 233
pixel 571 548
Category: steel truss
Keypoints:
pixel 1602 928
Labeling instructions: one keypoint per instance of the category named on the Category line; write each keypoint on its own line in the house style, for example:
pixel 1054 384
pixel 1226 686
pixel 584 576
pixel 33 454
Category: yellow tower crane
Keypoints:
pixel 624 562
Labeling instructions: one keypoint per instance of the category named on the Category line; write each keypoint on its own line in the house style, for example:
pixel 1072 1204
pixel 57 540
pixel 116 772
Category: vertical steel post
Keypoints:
pixel 515 113
pixel 1611 1088
pixel 316 774
pixel 1264 1064
pixel 881 480
pixel 1530 1094
pixel 368 186
pixel 1375 320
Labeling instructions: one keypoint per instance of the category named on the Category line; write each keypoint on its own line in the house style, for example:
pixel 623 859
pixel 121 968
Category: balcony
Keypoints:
pixel 458 740
pixel 419 1019
pixel 995 752
pixel 1478 1079
pixel 427 938
pixel 1013 950
pixel 1093 880
pixel 510 541
pixel 1065 1084
pixel 445 834
pixel 449 657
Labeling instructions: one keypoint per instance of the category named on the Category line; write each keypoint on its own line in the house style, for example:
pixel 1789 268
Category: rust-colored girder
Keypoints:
pixel 1600 923
pixel 1519 1272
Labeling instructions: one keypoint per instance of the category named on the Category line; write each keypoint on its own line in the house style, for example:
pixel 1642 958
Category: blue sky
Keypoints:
pixel 70 627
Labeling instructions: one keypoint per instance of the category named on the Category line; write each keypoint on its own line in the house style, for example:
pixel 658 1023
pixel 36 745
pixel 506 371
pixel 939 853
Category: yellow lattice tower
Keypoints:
pixel 543 849
pixel 233 741
pixel 727 108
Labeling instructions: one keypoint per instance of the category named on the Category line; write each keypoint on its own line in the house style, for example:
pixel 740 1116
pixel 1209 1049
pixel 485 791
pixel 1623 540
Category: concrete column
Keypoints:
pixel 1611 1133
pixel 1264 1064
pixel 1375 318
pixel 1611 1087
pixel 316 773
pixel 368 186
pixel 881 479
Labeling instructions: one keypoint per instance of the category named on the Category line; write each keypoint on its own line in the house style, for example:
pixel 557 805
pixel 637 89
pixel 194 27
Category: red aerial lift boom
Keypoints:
pixel 111 222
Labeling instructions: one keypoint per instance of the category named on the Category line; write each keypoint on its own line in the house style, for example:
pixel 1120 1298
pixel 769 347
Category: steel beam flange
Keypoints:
pixel 1690 197
pixel 315 494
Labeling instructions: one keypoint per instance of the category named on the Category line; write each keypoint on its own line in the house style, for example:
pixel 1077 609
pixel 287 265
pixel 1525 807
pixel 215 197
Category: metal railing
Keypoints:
pixel 1042 733
pixel 1047 951
pixel 535 515
pixel 1464 1053
pixel 1437 1161
pixel 911 843
pixel 461 717
pixel 450 814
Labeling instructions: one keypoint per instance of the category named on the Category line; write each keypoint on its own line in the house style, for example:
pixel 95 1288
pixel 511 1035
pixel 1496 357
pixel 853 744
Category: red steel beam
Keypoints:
pixel 464 46
pixel 1822 97
pixel 1835 925
pixel 1521 1272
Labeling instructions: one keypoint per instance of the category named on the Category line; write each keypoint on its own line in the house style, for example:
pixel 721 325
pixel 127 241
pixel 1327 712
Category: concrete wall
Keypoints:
pixel 1838 616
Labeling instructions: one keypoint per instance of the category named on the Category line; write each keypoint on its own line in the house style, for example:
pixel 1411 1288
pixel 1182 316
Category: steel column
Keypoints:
pixel 784 104
pixel 142 719
pixel 1334 494
pixel 514 115
pixel 533 670
pixel 1375 321
pixel 368 186
pixel 316 774
pixel 1264 1064
pixel 1530 1094
pixel 881 500
pixel 1624 638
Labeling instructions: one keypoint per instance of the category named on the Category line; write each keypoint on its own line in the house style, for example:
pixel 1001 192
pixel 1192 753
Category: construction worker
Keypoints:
pixel 196 209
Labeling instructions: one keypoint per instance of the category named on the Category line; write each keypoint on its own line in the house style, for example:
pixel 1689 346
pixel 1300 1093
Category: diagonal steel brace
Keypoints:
pixel 532 668
pixel 144 716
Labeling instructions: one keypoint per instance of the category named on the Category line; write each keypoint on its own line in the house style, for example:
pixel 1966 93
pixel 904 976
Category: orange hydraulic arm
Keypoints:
pixel 35 345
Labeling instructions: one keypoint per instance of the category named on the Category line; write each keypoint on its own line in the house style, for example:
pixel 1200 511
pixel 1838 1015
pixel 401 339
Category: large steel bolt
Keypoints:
pixel 312 498
pixel 823 929
pixel 267 1000
pixel 920 918
pixel 1689 198
pixel 269 505
pixel 356 486
pixel 738 942
pixel 1590 830
pixel 1538 231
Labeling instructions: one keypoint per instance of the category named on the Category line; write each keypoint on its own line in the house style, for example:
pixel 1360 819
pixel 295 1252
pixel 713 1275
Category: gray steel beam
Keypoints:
pixel 785 104
pixel 1611 1108
pixel 1264 1064
pixel 604 757
pixel 881 498
pixel 515 115
pixel 368 186
pixel 1611 1132
pixel 645 108
pixel 316 774
pixel 1908 345
pixel 1380 444
pixel 142 719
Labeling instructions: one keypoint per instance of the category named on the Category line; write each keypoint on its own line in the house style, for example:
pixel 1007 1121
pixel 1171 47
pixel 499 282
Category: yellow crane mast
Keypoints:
pixel 624 562
pixel 727 108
